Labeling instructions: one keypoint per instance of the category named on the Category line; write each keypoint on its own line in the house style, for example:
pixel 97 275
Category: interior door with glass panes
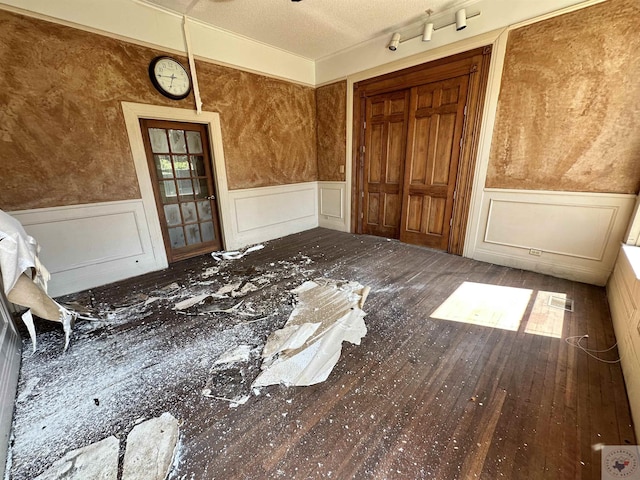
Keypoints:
pixel 181 172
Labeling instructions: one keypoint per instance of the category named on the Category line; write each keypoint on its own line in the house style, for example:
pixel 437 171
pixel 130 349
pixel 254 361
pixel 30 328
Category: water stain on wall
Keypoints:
pixel 568 108
pixel 63 139
pixel 331 102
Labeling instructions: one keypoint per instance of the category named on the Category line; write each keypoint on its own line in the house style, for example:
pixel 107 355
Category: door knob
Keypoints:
pixel 211 197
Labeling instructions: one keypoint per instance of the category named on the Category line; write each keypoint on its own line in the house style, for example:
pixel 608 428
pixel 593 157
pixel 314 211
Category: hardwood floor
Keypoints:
pixel 419 398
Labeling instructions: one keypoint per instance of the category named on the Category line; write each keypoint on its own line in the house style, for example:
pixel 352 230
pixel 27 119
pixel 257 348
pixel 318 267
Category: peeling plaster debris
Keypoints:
pixel 150 450
pixel 151 447
pixel 231 374
pixel 307 348
pixel 166 290
pixel 98 461
pixel 241 353
pixel 226 366
pixel 137 373
pixel 235 255
pixel 234 309
pixel 236 289
pixel 190 302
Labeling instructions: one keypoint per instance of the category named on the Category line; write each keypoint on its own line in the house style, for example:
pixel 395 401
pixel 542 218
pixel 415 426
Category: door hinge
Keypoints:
pixel 451 222
pixel 362 194
pixel 455 192
pixel 361 214
pixel 362 149
pixel 365 125
pixel 461 142
pixel 465 110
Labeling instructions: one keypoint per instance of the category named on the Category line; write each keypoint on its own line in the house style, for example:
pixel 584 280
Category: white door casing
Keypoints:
pixel 132 114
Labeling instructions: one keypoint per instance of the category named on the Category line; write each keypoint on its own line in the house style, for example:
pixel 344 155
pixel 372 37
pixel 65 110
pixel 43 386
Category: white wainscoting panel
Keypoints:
pixel 9 369
pixel 265 213
pixel 84 246
pixel 577 235
pixel 332 199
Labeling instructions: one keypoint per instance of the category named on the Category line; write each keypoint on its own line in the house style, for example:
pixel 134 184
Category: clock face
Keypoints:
pixel 170 77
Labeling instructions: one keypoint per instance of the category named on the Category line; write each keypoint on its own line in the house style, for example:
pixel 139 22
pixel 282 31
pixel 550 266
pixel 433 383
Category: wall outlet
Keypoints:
pixel 535 252
pixel 341 168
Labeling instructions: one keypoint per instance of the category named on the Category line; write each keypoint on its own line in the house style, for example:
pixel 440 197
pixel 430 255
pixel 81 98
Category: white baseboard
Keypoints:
pixel 265 213
pixel 84 246
pixel 564 234
pixel 577 273
pixel 332 202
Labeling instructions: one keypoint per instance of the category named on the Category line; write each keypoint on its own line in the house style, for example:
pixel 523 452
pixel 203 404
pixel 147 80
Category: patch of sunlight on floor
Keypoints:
pixel 546 317
pixel 486 305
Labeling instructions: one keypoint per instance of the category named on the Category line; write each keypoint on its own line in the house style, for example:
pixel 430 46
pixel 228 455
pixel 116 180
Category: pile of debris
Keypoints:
pixel 221 334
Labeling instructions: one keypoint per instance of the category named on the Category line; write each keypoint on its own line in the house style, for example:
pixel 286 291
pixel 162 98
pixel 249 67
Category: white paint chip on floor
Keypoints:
pixel 190 302
pixel 235 255
pixel 241 353
pixel 307 348
pixel 150 449
pixel 98 461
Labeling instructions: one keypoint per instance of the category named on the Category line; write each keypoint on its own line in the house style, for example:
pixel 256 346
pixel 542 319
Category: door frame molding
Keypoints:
pixel 489 38
pixel 133 112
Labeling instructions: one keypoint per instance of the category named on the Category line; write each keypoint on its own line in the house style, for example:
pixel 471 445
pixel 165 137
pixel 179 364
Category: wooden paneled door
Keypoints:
pixel 420 125
pixel 384 157
pixel 181 172
pixel 436 122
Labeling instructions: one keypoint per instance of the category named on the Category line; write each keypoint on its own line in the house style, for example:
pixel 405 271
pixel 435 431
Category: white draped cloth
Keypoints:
pixel 18 254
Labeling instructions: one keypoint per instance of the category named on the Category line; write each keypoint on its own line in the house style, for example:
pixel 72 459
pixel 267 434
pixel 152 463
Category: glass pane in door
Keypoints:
pixel 207 232
pixel 158 138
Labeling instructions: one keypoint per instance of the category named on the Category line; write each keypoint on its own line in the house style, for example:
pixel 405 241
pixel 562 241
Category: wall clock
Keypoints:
pixel 169 77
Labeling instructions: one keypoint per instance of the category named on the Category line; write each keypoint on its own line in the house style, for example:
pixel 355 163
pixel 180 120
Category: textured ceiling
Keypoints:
pixel 309 28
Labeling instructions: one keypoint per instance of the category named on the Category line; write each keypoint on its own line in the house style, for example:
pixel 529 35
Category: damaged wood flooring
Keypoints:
pixel 419 398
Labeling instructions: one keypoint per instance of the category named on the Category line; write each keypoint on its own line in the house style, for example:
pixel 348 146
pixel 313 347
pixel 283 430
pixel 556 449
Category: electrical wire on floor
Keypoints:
pixel 590 351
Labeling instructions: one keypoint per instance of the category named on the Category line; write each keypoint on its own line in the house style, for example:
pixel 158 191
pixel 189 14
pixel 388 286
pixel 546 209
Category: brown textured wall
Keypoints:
pixel 62 134
pixel 569 107
pixel 268 126
pixel 331 104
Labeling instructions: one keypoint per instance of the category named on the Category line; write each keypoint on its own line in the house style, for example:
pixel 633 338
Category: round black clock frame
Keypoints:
pixel 159 87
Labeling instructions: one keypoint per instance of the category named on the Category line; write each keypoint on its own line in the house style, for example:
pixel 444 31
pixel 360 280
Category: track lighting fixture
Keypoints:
pixel 428 28
pixel 461 19
pixel 427 32
pixel 395 41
